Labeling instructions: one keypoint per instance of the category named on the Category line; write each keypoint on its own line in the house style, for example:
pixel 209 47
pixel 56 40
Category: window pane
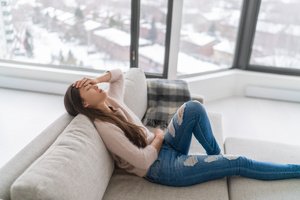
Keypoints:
pixel 208 35
pixel 277 36
pixel 81 33
pixel 152 35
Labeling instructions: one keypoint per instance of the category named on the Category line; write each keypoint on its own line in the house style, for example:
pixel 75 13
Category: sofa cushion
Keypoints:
pixel 126 186
pixel 76 166
pixel 246 188
pixel 130 187
pixel 135 93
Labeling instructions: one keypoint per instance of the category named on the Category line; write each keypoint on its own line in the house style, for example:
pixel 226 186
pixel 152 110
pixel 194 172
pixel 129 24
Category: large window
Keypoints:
pixel 277 36
pixel 104 34
pixel 83 33
pixel 153 28
pixel 208 35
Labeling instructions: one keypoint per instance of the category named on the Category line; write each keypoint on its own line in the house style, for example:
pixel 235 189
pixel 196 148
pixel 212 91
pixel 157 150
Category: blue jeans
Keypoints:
pixel 174 167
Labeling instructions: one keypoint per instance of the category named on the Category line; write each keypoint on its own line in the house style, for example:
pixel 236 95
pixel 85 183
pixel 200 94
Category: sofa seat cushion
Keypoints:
pixel 76 166
pixel 246 188
pixel 130 187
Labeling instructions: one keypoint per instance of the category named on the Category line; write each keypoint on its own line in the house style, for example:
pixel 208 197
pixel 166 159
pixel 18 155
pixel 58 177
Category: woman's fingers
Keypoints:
pixel 79 83
pixel 83 82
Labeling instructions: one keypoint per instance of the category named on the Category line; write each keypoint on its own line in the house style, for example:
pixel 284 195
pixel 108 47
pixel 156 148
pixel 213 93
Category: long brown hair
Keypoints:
pixel 73 104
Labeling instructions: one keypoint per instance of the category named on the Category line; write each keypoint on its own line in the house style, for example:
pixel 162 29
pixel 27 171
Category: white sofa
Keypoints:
pixel 68 160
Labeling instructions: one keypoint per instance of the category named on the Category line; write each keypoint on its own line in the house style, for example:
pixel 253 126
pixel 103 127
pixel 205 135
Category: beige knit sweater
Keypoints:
pixel 126 155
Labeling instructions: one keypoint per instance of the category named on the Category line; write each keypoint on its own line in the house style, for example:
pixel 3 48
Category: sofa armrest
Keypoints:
pixel 198 97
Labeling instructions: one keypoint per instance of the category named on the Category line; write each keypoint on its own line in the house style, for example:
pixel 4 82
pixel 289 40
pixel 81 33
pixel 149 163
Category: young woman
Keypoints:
pixel 157 156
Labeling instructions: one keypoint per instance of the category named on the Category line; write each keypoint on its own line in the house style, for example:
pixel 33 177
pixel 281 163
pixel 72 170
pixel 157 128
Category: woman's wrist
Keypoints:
pixel 157 142
pixel 104 78
pixel 159 133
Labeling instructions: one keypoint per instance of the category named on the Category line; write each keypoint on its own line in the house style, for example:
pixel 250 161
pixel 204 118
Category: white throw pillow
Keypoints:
pixel 135 94
pixel 76 166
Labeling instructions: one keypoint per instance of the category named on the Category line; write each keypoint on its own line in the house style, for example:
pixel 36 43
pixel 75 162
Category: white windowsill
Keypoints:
pixel 211 86
pixel 39 79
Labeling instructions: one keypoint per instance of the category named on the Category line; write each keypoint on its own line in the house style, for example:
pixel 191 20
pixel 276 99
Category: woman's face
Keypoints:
pixel 92 96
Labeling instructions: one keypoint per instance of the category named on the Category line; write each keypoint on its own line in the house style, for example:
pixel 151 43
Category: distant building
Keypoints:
pixel 152 60
pixel 6 28
pixel 198 44
pixel 115 42
pixel 223 52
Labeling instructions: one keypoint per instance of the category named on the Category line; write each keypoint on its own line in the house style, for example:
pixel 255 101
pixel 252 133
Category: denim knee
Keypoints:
pixel 195 106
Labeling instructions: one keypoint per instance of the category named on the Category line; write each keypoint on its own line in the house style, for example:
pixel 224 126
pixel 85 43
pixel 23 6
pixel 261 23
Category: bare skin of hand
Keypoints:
pixel 159 133
pixel 84 82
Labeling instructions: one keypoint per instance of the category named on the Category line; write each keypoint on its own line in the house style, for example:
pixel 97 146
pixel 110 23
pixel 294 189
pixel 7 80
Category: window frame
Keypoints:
pixel 247 30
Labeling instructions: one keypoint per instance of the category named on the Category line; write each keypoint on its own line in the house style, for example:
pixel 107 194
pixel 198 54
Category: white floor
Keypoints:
pixel 25 114
pixel 262 119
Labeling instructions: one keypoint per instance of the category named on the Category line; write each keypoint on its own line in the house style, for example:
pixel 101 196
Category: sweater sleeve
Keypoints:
pixel 116 84
pixel 117 143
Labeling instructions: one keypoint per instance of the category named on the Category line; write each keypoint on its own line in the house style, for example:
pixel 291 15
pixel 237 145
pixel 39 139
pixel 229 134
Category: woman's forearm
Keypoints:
pixel 157 142
pixel 104 78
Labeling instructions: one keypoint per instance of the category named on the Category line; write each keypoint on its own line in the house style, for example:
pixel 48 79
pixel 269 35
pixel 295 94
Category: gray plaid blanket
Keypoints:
pixel 164 98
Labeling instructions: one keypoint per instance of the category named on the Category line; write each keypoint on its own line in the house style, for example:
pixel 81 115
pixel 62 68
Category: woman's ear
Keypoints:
pixel 85 104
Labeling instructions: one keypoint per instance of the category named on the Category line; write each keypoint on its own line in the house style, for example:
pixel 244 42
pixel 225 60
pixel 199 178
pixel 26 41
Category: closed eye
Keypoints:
pixel 88 86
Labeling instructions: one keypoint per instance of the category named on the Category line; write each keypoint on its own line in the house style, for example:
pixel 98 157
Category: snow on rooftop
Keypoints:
pixel 64 16
pixel 152 3
pixel 119 37
pixel 186 63
pixel 225 46
pixel 106 13
pixel 70 21
pixel 52 12
pixel 145 25
pixel 269 27
pixel 24 2
pixel 154 52
pixel 200 39
pixel 216 14
pixel 232 19
pixel 293 30
pixel 91 24
pixel 47 10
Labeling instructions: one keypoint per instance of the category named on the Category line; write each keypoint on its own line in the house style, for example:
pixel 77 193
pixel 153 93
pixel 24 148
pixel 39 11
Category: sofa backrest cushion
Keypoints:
pixel 76 166
pixel 135 94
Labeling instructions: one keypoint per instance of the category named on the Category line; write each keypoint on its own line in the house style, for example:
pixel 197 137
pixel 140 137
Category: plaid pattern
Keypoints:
pixel 164 98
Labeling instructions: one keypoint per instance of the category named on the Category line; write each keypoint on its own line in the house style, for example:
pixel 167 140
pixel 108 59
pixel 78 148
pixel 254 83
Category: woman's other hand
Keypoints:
pixel 84 82
pixel 159 133
pixel 159 138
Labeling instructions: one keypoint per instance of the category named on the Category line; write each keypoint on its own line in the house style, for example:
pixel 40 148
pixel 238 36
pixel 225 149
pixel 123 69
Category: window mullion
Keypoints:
pixel 247 27
pixel 172 38
pixel 134 41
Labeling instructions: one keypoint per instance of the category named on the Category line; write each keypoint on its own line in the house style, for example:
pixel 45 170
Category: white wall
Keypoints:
pixel 234 83
pixel 245 78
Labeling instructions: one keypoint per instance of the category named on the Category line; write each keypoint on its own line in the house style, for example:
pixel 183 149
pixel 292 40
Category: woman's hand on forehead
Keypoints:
pixel 85 82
